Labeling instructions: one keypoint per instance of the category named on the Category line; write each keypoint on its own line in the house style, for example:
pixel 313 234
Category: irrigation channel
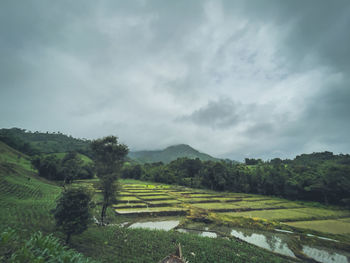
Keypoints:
pixel 277 241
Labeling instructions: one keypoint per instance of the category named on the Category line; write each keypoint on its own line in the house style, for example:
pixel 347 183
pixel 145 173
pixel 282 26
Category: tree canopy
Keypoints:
pixel 109 156
pixel 72 212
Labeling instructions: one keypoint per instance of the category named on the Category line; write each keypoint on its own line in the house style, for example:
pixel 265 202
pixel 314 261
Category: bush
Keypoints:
pixel 37 249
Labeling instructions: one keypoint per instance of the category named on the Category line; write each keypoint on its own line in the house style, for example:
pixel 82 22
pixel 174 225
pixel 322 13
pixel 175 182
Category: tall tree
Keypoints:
pixel 109 156
pixel 72 212
pixel 71 165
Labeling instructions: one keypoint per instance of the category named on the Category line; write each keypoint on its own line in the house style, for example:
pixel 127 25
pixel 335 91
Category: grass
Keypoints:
pixel 115 244
pixel 130 205
pixel 265 204
pixel 150 193
pixel 332 226
pixel 149 209
pixel 155 197
pixel 164 202
pixel 285 215
pixel 25 200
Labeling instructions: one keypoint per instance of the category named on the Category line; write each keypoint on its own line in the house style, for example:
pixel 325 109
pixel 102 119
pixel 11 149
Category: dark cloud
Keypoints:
pixel 231 78
pixel 216 114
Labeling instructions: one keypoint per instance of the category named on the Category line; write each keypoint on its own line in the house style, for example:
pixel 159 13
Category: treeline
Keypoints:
pixel 322 177
pixel 66 169
pixel 18 144
pixel 33 143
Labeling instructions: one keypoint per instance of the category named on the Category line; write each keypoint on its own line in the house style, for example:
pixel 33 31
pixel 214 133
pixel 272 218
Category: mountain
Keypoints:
pixel 32 143
pixel 169 154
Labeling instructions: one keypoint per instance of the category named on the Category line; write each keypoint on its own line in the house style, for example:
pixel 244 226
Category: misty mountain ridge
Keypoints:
pixel 169 154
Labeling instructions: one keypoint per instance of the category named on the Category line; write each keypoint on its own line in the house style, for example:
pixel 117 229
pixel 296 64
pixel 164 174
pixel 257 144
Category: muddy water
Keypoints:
pixel 324 256
pixel 158 225
pixel 274 242
pixel 200 233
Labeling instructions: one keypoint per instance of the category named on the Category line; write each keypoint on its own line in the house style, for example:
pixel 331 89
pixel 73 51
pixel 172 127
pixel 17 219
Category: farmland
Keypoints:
pixel 152 198
pixel 223 214
pixel 146 199
pixel 26 201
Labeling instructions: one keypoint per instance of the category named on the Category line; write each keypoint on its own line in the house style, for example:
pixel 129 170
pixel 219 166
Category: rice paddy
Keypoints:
pixel 164 200
pixel 333 226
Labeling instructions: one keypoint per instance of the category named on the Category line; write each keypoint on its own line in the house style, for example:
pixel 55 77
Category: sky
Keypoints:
pixel 234 79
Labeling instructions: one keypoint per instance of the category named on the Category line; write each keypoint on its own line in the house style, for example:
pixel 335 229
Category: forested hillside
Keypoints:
pixel 169 154
pixel 38 142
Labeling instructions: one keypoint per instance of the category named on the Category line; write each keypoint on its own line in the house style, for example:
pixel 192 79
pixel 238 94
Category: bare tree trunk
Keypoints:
pixel 68 237
pixel 103 213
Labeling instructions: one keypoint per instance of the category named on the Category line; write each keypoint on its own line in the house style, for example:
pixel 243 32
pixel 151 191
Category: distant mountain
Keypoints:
pixel 169 154
pixel 45 143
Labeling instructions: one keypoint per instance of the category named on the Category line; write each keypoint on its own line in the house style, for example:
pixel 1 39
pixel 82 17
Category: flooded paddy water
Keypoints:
pixel 156 225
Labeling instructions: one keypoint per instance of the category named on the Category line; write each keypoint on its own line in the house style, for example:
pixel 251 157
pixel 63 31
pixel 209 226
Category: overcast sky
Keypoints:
pixel 234 79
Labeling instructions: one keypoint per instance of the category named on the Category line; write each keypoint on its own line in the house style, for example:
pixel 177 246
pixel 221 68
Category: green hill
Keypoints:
pixel 39 142
pixel 169 154
pixel 24 197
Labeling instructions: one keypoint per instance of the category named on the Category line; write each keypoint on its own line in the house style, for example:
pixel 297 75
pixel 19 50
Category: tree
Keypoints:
pixel 72 212
pixel 48 167
pixel 71 165
pixel 109 156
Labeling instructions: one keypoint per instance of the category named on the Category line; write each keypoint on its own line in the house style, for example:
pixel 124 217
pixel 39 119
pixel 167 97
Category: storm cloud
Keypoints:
pixel 234 79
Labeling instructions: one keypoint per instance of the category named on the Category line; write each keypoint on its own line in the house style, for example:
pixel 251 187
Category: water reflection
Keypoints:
pixel 200 233
pixel 159 225
pixel 324 256
pixel 268 241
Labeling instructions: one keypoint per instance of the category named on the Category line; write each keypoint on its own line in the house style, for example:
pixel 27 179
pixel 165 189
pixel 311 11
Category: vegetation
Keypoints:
pixel 68 168
pixel 38 142
pixel 25 205
pixel 37 249
pixel 109 156
pixel 26 201
pixel 72 212
pixel 169 154
pixel 322 177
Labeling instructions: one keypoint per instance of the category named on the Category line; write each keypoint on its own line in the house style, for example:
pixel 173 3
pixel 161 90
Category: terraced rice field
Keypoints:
pixel 165 200
pixel 333 226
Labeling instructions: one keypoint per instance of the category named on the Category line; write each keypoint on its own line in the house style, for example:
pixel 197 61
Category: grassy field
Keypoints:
pixel 26 201
pixel 332 226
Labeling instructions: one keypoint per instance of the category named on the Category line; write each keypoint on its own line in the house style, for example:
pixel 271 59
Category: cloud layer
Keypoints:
pixel 231 78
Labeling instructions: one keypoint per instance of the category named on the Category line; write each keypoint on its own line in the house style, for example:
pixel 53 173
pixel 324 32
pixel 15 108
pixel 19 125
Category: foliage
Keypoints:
pixel 17 143
pixel 38 142
pixel 37 249
pixel 66 169
pixel 72 213
pixel 143 245
pixel 321 177
pixel 109 156
pixel 169 154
